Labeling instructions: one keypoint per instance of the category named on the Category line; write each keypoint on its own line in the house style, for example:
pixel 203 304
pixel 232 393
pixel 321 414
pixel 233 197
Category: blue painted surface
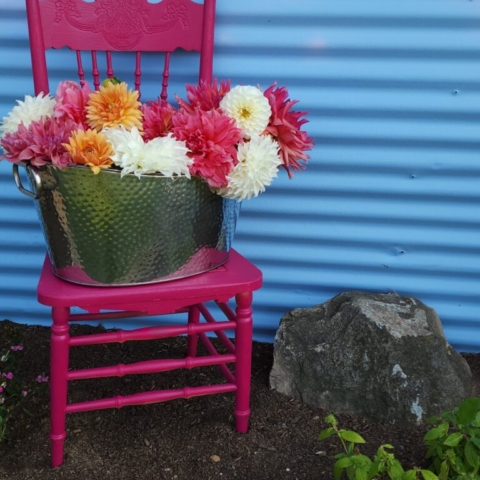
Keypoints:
pixel 391 199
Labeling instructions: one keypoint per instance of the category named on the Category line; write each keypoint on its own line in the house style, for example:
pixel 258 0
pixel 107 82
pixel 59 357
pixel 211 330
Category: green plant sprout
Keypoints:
pixel 454 444
pixel 357 466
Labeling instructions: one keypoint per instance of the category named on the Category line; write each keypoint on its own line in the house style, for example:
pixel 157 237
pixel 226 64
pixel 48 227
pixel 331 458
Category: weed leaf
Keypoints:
pixel 468 410
pixel 454 439
pixel 351 436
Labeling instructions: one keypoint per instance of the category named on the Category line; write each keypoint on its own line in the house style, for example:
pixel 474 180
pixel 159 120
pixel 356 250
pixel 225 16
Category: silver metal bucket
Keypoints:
pixel 105 230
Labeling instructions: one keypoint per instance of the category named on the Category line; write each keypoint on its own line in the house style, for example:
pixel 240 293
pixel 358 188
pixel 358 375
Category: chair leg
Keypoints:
pixel 192 340
pixel 243 365
pixel 59 345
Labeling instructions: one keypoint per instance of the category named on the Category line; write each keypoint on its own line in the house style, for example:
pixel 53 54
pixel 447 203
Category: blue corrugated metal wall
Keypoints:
pixel 391 199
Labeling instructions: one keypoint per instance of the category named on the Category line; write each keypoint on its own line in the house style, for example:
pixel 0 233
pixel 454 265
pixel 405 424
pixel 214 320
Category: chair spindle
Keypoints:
pixel 80 70
pixel 95 72
pixel 166 74
pixel 138 72
pixel 110 73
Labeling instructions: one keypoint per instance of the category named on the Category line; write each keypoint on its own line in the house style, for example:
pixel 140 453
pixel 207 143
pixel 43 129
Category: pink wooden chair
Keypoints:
pixel 134 25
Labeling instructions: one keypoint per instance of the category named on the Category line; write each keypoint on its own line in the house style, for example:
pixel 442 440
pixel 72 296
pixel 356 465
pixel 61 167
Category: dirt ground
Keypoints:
pixel 180 439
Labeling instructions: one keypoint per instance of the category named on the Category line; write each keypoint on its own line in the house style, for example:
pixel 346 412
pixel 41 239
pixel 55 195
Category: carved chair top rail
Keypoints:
pixel 119 25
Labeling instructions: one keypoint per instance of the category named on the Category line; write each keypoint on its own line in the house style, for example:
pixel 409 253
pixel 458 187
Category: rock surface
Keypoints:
pixel 382 356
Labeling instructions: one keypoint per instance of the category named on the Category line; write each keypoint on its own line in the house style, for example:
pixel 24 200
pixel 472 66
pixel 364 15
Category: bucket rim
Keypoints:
pixel 110 171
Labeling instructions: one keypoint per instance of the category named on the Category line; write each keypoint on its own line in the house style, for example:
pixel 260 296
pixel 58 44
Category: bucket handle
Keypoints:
pixel 33 172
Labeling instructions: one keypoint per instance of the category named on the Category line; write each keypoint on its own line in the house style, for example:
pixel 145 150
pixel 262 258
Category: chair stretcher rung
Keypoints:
pixel 221 336
pixel 149 397
pixel 150 366
pixel 229 377
pixel 149 333
pixel 229 313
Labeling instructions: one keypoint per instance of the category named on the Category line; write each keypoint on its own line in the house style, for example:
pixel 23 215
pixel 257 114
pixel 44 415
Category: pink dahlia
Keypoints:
pixel 211 138
pixel 71 101
pixel 206 96
pixel 284 125
pixel 40 143
pixel 157 119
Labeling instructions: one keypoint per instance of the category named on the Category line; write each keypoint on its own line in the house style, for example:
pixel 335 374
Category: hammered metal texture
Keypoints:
pixel 105 230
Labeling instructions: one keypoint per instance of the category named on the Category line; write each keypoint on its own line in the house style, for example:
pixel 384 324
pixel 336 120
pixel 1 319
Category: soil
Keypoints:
pixel 181 439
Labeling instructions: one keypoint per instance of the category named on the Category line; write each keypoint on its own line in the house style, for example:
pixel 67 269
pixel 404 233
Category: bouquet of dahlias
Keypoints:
pixel 235 139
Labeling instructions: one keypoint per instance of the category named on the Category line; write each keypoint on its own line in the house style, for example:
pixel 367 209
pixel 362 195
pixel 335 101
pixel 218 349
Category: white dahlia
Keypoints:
pixel 32 109
pixel 164 155
pixel 168 156
pixel 258 162
pixel 249 107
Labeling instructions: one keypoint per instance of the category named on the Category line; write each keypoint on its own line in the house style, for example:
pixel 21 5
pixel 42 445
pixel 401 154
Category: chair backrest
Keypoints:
pixel 119 25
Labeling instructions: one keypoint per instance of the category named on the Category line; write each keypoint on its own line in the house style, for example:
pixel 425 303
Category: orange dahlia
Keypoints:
pixel 90 148
pixel 113 105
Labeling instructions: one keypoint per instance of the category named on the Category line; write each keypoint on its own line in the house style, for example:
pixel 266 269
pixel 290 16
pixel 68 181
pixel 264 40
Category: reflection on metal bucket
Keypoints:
pixel 105 230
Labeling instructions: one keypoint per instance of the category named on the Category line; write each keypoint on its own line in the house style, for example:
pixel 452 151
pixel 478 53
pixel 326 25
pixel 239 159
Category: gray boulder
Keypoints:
pixel 381 356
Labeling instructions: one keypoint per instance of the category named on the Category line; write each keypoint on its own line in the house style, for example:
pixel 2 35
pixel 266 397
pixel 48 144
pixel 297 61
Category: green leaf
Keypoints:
pixel 113 80
pixel 468 410
pixel 343 462
pixel 328 432
pixel 433 419
pixel 428 475
pixel 361 461
pixel 410 475
pixel 454 439
pixel 330 419
pixel 449 454
pixel 443 473
pixel 396 470
pixel 337 472
pixel 434 433
pixel 430 451
pixel 339 466
pixel 361 474
pixel 387 445
pixel 458 465
pixel 471 455
pixel 476 421
pixel 373 472
pixel 351 436
pixel 475 441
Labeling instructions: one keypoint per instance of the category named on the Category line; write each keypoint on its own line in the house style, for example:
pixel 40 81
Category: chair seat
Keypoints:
pixel 237 278
pixel 222 283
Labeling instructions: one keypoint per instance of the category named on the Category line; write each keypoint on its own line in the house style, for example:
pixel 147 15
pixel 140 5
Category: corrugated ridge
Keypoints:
pixel 390 199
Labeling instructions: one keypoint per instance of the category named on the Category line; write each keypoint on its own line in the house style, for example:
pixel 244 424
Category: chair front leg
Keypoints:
pixel 243 365
pixel 59 349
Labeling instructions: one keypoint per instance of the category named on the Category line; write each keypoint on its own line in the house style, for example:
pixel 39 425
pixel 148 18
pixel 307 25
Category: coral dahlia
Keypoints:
pixel 211 138
pixel 40 143
pixel 206 96
pixel 157 119
pixel 284 126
